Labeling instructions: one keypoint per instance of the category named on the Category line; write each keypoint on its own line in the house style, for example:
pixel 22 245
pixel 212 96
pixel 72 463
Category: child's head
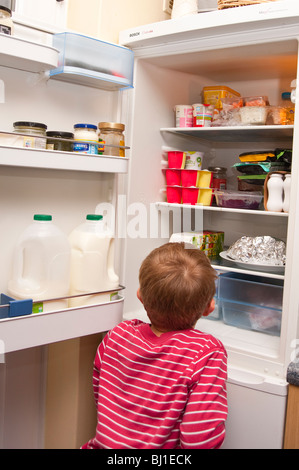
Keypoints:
pixel 176 286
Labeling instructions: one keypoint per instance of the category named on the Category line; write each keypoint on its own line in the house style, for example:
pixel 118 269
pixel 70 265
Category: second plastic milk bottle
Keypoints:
pixel 41 265
pixel 92 262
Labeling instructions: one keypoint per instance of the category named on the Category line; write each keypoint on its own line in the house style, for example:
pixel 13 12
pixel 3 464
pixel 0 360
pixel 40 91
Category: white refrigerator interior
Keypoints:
pixel 253 50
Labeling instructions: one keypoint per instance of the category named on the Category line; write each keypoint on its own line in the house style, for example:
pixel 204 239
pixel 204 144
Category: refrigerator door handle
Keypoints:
pixel 262 383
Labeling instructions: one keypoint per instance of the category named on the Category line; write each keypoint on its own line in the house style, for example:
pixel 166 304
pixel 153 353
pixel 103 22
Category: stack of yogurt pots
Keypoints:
pixel 186 182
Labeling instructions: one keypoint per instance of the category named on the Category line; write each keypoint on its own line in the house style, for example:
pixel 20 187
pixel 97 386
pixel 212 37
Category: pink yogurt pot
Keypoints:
pixel 189 178
pixel 173 177
pixel 174 194
pixel 176 159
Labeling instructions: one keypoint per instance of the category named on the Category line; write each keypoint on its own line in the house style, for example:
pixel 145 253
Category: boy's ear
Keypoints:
pixel 209 309
pixel 139 295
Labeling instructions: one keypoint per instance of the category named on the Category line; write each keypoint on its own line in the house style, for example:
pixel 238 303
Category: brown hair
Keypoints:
pixel 176 285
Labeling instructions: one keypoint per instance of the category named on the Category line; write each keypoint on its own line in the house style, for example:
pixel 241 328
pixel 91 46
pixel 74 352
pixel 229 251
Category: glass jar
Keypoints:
pixel 111 139
pixel 34 134
pixel 219 177
pixel 86 135
pixel 6 23
pixel 57 144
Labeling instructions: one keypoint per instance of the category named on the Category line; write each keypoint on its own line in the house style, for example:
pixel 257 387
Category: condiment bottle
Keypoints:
pixel 286 192
pixel 34 133
pixel 54 142
pixel 6 23
pixel 111 138
pixel 86 135
pixel 275 193
pixel 219 177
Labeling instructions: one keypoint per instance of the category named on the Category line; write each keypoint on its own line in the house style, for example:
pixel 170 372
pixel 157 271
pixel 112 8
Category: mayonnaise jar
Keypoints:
pixel 87 137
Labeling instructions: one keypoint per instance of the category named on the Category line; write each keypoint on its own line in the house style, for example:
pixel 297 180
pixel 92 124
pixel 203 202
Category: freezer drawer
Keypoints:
pixel 256 411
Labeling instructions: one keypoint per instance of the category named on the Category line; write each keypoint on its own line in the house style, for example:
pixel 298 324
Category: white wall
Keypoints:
pixel 105 18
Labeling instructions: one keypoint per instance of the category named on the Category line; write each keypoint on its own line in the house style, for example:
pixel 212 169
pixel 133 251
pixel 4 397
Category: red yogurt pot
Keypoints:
pixel 173 177
pixel 190 195
pixel 189 178
pixel 174 194
pixel 176 160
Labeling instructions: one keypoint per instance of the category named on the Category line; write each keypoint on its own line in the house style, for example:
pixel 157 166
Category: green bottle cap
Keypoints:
pixel 42 217
pixel 94 217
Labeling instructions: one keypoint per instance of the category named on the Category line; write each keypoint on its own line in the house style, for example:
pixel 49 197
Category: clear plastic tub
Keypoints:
pixel 238 199
pixel 254 115
pixel 251 302
pixel 93 58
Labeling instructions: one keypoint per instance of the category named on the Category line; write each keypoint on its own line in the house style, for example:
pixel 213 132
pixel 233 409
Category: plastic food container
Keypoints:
pixel 194 196
pixel 214 94
pixel 173 177
pixel 174 194
pixel 260 156
pixel 254 115
pixel 193 160
pixel 176 159
pixel 201 178
pixel 238 199
pixel 251 302
pixel 202 115
pixel 183 115
pixel 256 101
pixel 278 115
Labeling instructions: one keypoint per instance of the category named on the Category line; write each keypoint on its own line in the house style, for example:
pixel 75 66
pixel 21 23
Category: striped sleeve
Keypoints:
pixel 97 367
pixel 203 423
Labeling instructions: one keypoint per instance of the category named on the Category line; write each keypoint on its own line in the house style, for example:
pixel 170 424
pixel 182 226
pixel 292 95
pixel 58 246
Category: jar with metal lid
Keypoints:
pixel 111 139
pixel 57 140
pixel 219 177
pixel 34 134
pixel 87 137
pixel 6 23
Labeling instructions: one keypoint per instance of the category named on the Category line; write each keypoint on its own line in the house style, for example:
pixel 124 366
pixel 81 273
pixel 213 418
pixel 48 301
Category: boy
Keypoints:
pixel 162 385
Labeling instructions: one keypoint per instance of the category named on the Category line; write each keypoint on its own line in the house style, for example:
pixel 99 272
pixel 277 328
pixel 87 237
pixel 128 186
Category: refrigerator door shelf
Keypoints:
pixel 49 327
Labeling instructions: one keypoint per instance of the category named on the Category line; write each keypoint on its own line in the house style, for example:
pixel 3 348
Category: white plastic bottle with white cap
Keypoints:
pixel 41 265
pixel 275 193
pixel 286 192
pixel 92 262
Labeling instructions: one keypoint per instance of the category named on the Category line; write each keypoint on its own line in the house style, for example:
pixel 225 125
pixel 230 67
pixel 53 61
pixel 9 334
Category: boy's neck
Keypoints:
pixel 156 331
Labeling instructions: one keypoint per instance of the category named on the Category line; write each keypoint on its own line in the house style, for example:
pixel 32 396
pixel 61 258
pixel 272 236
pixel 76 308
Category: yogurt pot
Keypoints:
pixel 173 177
pixel 193 160
pixel 176 159
pixel 202 114
pixel 174 194
pixel 183 115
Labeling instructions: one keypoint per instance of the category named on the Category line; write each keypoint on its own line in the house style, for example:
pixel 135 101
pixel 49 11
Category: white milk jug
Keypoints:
pixel 275 193
pixel 41 265
pixel 92 262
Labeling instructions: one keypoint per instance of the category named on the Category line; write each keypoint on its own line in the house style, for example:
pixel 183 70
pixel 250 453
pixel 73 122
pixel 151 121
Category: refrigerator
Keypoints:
pixel 253 50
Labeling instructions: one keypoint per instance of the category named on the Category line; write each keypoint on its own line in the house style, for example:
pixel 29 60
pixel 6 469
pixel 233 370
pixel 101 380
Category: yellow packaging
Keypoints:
pixel 213 95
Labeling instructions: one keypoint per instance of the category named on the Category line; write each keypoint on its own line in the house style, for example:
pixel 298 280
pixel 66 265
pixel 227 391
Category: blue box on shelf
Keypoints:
pixel 10 307
pixel 251 302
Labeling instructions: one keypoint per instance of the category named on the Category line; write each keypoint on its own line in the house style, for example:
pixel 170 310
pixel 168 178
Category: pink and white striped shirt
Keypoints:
pixel 164 392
